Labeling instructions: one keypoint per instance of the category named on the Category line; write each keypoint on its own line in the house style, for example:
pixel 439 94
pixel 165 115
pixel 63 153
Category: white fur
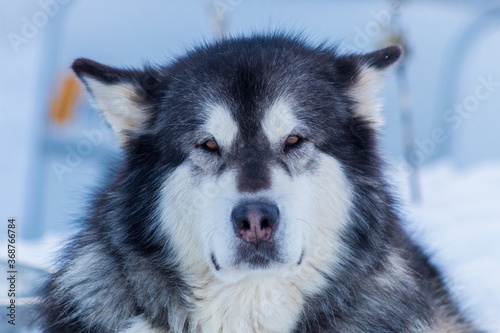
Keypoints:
pixel 221 125
pixel 395 271
pixel 196 214
pixel 139 325
pixel 365 94
pixel 118 104
pixel 279 121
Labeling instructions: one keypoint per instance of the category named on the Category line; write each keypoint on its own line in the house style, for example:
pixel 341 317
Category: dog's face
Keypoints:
pixel 254 189
pixel 251 141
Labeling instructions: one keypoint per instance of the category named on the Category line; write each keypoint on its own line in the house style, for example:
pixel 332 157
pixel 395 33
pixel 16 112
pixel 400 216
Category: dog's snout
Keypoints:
pixel 254 222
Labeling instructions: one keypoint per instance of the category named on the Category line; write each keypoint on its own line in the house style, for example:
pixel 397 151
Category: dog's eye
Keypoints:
pixel 292 140
pixel 211 145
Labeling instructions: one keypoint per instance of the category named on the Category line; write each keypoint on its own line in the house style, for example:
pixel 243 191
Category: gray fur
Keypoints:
pixel 157 251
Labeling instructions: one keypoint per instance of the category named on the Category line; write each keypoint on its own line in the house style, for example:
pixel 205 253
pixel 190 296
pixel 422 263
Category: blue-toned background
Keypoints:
pixel 453 76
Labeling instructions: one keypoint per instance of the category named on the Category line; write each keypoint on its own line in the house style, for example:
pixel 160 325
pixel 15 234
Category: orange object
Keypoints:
pixel 63 104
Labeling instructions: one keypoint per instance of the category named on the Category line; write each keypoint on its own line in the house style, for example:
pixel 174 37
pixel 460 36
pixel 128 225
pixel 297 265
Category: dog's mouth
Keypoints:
pixel 256 261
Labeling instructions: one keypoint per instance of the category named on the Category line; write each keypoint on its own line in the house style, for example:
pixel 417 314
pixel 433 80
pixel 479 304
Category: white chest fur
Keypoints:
pixel 264 305
pixel 260 303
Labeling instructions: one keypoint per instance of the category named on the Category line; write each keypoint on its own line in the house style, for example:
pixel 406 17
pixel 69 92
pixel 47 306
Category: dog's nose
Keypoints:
pixel 254 222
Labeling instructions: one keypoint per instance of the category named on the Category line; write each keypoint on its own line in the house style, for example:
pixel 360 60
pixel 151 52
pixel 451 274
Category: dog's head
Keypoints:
pixel 245 147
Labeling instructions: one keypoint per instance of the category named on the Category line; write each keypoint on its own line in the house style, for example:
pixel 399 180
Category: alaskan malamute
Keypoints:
pixel 251 198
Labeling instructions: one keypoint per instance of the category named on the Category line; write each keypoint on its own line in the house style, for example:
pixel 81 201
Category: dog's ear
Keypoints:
pixel 364 75
pixel 122 95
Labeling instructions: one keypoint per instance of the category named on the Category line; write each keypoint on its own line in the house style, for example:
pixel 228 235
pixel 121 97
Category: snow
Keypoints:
pixel 458 222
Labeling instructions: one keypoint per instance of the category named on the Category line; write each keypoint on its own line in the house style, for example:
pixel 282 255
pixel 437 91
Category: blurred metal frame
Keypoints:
pixel 451 76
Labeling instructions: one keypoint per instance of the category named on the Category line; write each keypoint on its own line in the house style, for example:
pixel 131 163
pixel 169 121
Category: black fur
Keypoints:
pixel 247 74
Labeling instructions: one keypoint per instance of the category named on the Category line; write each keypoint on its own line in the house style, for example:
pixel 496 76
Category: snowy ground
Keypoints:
pixel 458 221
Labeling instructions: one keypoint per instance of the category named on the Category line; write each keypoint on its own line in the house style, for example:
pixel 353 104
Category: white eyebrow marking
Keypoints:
pixel 221 125
pixel 279 121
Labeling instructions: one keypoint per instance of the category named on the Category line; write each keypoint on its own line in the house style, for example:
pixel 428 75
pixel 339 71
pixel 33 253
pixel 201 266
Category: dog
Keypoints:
pixel 251 197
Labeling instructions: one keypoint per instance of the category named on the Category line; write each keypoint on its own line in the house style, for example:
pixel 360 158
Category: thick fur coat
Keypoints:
pixel 251 198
